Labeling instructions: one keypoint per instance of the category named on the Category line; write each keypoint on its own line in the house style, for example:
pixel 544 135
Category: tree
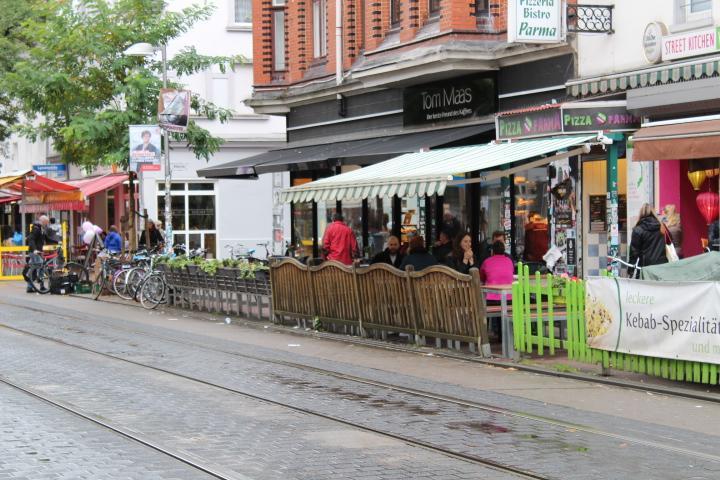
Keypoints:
pixel 76 87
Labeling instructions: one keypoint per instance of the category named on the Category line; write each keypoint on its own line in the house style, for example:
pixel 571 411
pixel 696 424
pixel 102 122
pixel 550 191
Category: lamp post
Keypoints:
pixel 146 50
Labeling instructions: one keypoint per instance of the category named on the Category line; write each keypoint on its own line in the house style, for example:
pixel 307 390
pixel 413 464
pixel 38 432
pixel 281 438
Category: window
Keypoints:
pixel 278 40
pixel 193 214
pixel 693 10
pixel 481 7
pixel 434 7
pixel 319 28
pixel 697 6
pixel 242 11
pixel 532 233
pixel 395 12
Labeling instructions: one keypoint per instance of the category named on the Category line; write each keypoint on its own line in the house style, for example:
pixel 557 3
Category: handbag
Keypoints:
pixel 670 252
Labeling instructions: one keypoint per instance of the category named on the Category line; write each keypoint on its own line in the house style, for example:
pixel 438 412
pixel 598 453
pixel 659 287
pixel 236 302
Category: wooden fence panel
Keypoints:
pixel 292 291
pixel 334 292
pixel 384 299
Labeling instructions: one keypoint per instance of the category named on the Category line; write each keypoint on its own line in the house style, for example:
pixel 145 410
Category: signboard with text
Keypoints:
pixel 56 171
pixel 455 99
pixel 675 320
pixel 690 44
pixel 535 21
pixel 565 119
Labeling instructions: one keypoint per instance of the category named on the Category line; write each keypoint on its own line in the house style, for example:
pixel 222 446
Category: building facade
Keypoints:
pixel 361 82
pixel 663 61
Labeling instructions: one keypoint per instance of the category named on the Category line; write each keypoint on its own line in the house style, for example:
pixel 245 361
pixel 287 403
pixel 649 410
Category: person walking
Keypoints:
pixel 391 255
pixel 462 258
pixel 647 242
pixel 339 241
pixel 113 241
pixel 418 255
pixel 671 220
pixel 36 243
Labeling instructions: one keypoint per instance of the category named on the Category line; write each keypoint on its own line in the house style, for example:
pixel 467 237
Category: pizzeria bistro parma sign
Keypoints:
pixel 565 119
pixel 535 21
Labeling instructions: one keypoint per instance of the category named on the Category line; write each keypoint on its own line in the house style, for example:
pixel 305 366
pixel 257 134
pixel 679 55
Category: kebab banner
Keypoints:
pixel 678 320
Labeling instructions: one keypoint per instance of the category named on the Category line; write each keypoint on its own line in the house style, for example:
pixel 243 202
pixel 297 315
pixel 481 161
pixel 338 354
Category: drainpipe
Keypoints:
pixel 339 55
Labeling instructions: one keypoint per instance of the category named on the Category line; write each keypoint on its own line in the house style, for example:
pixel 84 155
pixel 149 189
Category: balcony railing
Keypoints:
pixel 590 18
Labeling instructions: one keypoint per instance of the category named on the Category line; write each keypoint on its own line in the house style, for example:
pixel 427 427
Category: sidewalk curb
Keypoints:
pixel 426 351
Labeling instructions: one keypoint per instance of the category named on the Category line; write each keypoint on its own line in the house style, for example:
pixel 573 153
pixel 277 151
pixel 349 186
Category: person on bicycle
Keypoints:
pixel 35 242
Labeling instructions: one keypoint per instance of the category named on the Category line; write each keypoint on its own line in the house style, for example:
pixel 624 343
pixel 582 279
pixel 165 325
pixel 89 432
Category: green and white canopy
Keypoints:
pixel 430 172
pixel 646 77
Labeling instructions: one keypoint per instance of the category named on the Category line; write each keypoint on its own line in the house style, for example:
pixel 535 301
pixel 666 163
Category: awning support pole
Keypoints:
pixel 612 214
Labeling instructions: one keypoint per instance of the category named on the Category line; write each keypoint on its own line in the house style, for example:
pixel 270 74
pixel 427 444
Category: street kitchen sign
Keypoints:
pixel 690 44
pixel 565 119
pixel 535 21
pixel 676 320
pixel 455 99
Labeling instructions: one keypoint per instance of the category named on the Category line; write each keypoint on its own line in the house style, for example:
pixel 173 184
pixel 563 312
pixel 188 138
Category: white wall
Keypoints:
pixel 623 50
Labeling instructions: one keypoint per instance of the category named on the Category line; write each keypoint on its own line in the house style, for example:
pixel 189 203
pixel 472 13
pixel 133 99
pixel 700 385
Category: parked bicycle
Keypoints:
pixel 636 268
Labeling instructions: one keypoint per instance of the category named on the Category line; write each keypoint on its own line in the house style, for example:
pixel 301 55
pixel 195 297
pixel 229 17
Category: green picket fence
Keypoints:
pixel 549 318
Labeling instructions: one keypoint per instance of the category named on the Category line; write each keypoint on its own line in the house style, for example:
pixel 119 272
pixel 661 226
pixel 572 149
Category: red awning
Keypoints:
pixel 9 199
pixel 682 141
pixel 71 205
pixel 93 185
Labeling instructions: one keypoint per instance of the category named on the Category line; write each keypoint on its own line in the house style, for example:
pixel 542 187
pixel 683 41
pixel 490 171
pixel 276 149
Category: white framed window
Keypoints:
pixel 240 13
pixel 194 214
pixel 688 11
pixel 278 3
pixel 319 28
pixel 278 40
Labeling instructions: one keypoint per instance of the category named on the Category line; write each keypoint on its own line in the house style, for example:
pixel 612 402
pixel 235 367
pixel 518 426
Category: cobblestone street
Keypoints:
pixel 255 403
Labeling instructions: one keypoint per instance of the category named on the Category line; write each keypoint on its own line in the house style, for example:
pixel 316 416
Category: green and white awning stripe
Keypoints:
pixel 677 72
pixel 425 173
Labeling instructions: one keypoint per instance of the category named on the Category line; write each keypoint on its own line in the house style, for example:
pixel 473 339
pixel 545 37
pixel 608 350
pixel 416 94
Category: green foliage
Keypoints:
pixel 73 75
pixel 245 269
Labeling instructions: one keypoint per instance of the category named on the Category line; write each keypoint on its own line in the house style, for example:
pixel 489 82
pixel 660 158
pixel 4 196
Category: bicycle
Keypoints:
pixel 109 267
pixel 636 267
pixel 40 268
pixel 153 291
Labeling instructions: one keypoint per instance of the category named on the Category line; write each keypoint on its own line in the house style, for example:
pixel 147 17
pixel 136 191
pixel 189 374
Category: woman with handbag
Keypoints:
pixel 671 220
pixel 648 240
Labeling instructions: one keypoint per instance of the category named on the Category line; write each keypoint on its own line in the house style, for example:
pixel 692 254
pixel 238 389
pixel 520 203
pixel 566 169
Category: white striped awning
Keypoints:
pixel 425 173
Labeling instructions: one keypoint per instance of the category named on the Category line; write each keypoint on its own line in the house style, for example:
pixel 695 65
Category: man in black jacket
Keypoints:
pixel 36 242
pixel 391 255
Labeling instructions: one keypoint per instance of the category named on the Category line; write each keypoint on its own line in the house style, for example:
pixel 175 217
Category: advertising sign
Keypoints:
pixel 144 147
pixel 567 118
pixel 535 21
pixel 676 320
pixel 174 109
pixel 56 171
pixel 455 99
pixel 690 44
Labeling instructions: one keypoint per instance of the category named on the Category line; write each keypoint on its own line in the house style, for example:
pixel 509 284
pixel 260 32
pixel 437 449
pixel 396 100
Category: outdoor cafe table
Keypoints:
pixel 508 349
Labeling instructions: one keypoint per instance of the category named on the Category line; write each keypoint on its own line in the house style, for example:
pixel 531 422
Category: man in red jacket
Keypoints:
pixel 339 242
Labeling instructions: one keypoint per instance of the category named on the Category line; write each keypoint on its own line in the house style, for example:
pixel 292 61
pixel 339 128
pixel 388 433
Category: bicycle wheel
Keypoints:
pixel 120 285
pixel 40 278
pixel 134 280
pixel 152 292
pixel 98 285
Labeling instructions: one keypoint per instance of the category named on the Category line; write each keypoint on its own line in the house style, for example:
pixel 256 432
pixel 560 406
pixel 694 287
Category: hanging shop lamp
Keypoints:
pixel 713 172
pixel 707 203
pixel 697 179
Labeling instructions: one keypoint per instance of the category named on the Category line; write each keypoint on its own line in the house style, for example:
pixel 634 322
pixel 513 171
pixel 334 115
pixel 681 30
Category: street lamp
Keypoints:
pixel 146 50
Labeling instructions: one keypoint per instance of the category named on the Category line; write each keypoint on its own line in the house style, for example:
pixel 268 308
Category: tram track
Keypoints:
pixel 473 459
pixel 370 382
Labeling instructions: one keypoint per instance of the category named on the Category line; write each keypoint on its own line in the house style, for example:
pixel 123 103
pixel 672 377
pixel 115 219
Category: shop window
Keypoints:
pixel 379 223
pixel 242 11
pixel 455 218
pixel 532 231
pixel 278 37
pixel 319 28
pixel 194 214
pixel 352 213
pixel 303 229
pixel 434 7
pixel 491 209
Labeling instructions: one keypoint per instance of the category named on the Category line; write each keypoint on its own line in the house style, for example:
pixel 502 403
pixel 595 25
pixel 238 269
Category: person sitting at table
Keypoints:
pixel 442 248
pixel 497 270
pixel 418 255
pixel 391 255
pixel 462 257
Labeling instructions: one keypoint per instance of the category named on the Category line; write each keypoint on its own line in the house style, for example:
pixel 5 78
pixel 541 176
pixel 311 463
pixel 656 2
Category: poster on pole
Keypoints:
pixel 174 109
pixel 675 320
pixel 144 147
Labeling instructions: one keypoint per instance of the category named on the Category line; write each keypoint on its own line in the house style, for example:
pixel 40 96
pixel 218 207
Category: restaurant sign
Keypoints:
pixel 565 119
pixel 690 44
pixel 455 99
pixel 535 21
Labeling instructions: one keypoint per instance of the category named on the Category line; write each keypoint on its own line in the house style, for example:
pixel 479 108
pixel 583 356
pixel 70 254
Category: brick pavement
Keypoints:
pixel 248 437
pixel 555 451
pixel 40 441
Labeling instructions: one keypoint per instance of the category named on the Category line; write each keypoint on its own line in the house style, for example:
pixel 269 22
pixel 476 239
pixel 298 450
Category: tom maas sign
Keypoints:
pixel 535 21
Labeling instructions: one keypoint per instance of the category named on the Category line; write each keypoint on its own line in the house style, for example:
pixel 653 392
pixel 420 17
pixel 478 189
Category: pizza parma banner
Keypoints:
pixel 678 320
